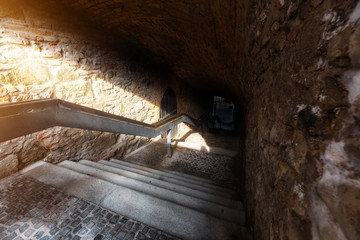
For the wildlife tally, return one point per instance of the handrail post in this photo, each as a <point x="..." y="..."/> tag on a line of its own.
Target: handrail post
<point x="169" y="143"/>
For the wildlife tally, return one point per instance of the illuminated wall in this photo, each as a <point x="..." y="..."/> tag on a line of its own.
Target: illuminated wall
<point x="42" y="58"/>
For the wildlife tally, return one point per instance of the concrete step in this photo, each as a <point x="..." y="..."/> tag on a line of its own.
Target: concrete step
<point x="164" y="215"/>
<point x="213" y="209"/>
<point x="166" y="185"/>
<point x="203" y="184"/>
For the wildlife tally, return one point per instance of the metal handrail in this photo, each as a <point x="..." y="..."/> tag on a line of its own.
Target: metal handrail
<point x="20" y="119"/>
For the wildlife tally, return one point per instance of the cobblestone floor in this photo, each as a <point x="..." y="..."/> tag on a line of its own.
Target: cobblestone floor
<point x="32" y="210"/>
<point x="230" y="142"/>
<point x="217" y="168"/>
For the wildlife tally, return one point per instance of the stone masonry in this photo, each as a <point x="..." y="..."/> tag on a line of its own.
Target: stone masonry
<point x="41" y="58"/>
<point x="302" y="145"/>
<point x="292" y="67"/>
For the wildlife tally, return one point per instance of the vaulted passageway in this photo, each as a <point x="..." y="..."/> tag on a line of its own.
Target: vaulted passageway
<point x="290" y="67"/>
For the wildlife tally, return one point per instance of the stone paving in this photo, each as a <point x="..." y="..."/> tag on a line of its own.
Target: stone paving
<point x="217" y="168"/>
<point x="32" y="210"/>
<point x="230" y="142"/>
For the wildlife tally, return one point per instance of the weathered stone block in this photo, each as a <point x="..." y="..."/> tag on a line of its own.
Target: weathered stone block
<point x="31" y="152"/>
<point x="11" y="147"/>
<point x="72" y="91"/>
<point x="31" y="74"/>
<point x="66" y="75"/>
<point x="8" y="165"/>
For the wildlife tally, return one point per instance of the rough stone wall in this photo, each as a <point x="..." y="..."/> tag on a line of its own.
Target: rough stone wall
<point x="198" y="39"/>
<point x="302" y="63"/>
<point x="43" y="58"/>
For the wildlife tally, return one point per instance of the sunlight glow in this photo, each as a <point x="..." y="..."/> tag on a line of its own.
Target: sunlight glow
<point x="56" y="65"/>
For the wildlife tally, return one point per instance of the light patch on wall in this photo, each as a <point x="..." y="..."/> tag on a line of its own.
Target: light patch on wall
<point x="355" y="15"/>
<point x="327" y="16"/>
<point x="26" y="74"/>
<point x="321" y="64"/>
<point x="335" y="153"/>
<point x="324" y="226"/>
<point x="298" y="189"/>
<point x="322" y="97"/>
<point x="66" y="74"/>
<point x="316" y="111"/>
<point x="334" y="24"/>
<point x="322" y="220"/>
<point x="281" y="2"/>
<point x="352" y="84"/>
<point x="300" y="107"/>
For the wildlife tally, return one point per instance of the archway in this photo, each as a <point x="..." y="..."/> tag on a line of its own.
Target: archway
<point x="168" y="107"/>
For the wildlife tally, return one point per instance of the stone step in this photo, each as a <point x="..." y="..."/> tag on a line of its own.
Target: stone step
<point x="171" y="180"/>
<point x="204" y="185"/>
<point x="166" y="185"/>
<point x="167" y="172"/>
<point x="213" y="209"/>
<point x="163" y="215"/>
<point x="201" y="147"/>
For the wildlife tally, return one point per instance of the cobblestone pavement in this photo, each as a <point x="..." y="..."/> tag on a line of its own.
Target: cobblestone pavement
<point x="217" y="168"/>
<point x="230" y="142"/>
<point x="32" y="210"/>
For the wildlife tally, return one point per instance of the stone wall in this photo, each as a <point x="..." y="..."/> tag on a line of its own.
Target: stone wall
<point x="302" y="140"/>
<point x="43" y="56"/>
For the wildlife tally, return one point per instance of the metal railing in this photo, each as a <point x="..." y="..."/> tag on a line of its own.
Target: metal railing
<point x="20" y="119"/>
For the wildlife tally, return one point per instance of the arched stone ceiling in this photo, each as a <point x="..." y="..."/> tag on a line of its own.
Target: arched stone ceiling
<point x="198" y="39"/>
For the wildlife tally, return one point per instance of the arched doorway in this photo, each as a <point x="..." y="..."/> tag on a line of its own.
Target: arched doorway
<point x="168" y="107"/>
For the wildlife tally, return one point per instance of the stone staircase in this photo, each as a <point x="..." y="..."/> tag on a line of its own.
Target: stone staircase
<point x="183" y="205"/>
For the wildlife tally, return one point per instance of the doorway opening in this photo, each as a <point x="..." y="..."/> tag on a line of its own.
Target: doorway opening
<point x="222" y="115"/>
<point x="168" y="107"/>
